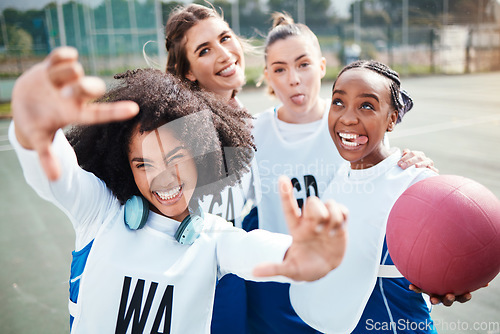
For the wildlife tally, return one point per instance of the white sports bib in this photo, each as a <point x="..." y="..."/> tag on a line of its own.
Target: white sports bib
<point x="310" y="163"/>
<point x="335" y="303"/>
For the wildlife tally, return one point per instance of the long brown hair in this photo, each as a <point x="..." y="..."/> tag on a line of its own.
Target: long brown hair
<point x="181" y="19"/>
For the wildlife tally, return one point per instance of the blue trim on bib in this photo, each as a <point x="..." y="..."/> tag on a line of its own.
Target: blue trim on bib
<point x="394" y="308"/>
<point x="251" y="220"/>
<point x="77" y="266"/>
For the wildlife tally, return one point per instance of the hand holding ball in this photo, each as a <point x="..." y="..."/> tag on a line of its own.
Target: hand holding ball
<point x="443" y="234"/>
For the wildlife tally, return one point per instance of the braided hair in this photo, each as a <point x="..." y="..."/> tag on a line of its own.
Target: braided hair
<point x="401" y="100"/>
<point x="162" y="97"/>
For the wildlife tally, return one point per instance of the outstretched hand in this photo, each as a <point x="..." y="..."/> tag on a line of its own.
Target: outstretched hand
<point x="53" y="94"/>
<point x="319" y="238"/>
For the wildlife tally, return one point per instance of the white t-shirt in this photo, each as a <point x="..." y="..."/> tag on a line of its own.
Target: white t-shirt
<point x="292" y="132"/>
<point x="143" y="280"/>
<point x="335" y="303"/>
<point x="309" y="159"/>
<point x="233" y="203"/>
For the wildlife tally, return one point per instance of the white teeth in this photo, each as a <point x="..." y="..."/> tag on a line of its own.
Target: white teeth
<point x="349" y="143"/>
<point x="166" y="195"/>
<point x="348" y="135"/>
<point x="228" y="69"/>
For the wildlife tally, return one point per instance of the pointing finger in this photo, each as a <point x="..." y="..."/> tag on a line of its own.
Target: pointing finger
<point x="288" y="202"/>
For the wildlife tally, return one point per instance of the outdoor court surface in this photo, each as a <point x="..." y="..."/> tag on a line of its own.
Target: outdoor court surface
<point x="455" y="121"/>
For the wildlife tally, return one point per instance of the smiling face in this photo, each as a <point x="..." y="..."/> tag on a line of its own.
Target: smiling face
<point x="294" y="69"/>
<point x="360" y="114"/>
<point x="215" y="57"/>
<point x="164" y="171"/>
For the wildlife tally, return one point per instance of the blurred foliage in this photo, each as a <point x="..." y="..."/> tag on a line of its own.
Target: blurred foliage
<point x="5" y="110"/>
<point x="108" y="42"/>
<point x="20" y="41"/>
<point x="254" y="16"/>
<point x="430" y="12"/>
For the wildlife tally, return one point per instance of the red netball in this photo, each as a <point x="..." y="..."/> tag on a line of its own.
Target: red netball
<point x="443" y="235"/>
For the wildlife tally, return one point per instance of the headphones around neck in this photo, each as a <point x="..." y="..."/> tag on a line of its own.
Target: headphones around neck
<point x="137" y="212"/>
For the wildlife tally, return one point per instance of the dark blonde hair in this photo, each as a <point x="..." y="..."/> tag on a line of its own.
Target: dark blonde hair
<point x="284" y="27"/>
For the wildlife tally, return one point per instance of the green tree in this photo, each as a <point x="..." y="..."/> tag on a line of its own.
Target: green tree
<point x="31" y="22"/>
<point x="20" y="41"/>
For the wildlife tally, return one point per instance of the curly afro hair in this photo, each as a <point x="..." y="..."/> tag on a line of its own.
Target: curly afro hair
<point x="103" y="149"/>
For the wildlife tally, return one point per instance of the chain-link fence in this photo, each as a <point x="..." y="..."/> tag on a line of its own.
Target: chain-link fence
<point x="115" y="35"/>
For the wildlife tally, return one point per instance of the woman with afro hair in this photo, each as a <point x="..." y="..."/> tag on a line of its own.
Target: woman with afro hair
<point x="146" y="257"/>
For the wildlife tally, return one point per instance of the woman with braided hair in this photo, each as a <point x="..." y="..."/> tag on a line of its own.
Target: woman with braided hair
<point x="367" y="293"/>
<point x="302" y="150"/>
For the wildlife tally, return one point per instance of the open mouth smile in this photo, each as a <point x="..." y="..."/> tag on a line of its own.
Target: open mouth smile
<point x="352" y="140"/>
<point x="169" y="196"/>
<point x="228" y="71"/>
